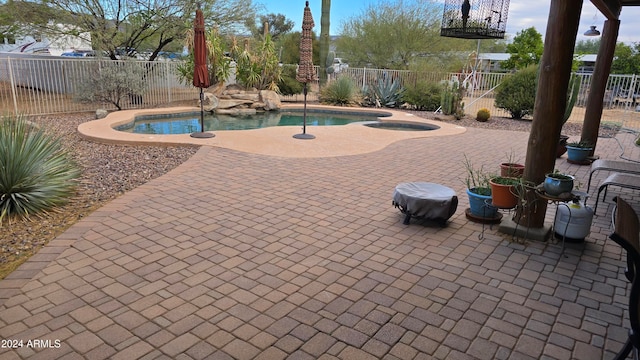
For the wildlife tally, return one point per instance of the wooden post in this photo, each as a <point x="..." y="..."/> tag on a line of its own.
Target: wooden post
<point x="551" y="98"/>
<point x="593" y="111"/>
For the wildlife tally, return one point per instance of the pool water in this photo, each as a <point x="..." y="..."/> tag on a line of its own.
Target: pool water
<point x="189" y="123"/>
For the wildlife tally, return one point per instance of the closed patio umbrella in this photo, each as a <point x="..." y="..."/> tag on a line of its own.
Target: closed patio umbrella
<point x="306" y="71"/>
<point x="200" y="72"/>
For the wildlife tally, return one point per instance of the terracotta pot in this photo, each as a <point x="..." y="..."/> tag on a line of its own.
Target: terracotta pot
<point x="562" y="145"/>
<point x="511" y="170"/>
<point x="503" y="196"/>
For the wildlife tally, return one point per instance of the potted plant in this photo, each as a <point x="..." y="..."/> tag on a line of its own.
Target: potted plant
<point x="556" y="183"/>
<point x="479" y="192"/>
<point x="503" y="193"/>
<point x="562" y="145"/>
<point x="511" y="168"/>
<point x="578" y="151"/>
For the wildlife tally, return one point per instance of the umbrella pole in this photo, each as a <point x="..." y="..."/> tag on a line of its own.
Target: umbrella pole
<point x="202" y="134"/>
<point x="201" y="110"/>
<point x="304" y="134"/>
<point x="304" y="112"/>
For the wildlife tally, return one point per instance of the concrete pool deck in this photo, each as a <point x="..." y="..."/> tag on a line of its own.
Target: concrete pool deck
<point x="337" y="140"/>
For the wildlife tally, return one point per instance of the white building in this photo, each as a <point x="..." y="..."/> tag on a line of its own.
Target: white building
<point x="37" y="44"/>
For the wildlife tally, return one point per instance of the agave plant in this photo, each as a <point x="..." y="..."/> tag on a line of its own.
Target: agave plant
<point x="386" y="93"/>
<point x="36" y="173"/>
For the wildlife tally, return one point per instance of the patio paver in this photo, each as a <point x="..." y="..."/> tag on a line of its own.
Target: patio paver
<point x="241" y="255"/>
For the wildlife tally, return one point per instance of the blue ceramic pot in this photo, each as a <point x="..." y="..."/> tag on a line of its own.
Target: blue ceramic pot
<point x="480" y="205"/>
<point x="578" y="154"/>
<point x="556" y="186"/>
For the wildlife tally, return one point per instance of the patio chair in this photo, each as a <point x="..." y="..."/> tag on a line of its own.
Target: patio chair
<point x="617" y="179"/>
<point x="613" y="165"/>
<point x="626" y="234"/>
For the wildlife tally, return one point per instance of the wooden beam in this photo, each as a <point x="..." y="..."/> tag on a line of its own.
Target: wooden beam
<point x="593" y="111"/>
<point x="609" y="8"/>
<point x="551" y="101"/>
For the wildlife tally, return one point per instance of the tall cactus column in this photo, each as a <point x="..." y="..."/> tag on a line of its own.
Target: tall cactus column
<point x="324" y="40"/>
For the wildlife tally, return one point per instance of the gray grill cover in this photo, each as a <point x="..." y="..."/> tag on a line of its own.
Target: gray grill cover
<point x="428" y="200"/>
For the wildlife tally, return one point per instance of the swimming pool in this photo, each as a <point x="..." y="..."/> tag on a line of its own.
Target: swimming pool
<point x="185" y="123"/>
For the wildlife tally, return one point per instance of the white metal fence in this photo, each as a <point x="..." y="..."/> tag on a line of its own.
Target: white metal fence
<point x="36" y="85"/>
<point x="621" y="101"/>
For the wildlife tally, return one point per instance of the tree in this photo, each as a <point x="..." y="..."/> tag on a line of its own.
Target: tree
<point x="395" y="34"/>
<point x="517" y="92"/>
<point x="288" y="46"/>
<point x="587" y="46"/>
<point x="112" y="82"/>
<point x="526" y="49"/>
<point x="626" y="59"/>
<point x="278" y="25"/>
<point x="121" y="27"/>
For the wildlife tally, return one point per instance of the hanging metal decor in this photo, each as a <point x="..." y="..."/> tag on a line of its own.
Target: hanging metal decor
<point x="475" y="19"/>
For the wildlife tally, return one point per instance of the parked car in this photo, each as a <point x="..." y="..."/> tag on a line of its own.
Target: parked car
<point x="339" y="65"/>
<point x="79" y="53"/>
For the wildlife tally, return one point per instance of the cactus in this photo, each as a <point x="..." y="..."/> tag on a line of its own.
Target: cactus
<point x="451" y="100"/>
<point x="572" y="96"/>
<point x="483" y="115"/>
<point x="329" y="63"/>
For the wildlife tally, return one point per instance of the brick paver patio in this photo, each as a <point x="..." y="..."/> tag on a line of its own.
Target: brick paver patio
<point x="239" y="256"/>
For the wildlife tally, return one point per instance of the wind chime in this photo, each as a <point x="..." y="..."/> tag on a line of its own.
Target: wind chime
<point x="478" y="19"/>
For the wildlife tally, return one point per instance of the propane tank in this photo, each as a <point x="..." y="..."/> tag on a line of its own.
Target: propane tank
<point x="573" y="221"/>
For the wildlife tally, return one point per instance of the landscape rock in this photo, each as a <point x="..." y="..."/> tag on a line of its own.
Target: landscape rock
<point x="101" y="113"/>
<point x="247" y="96"/>
<point x="211" y="102"/>
<point x="270" y="99"/>
<point x="236" y="111"/>
<point x="227" y="104"/>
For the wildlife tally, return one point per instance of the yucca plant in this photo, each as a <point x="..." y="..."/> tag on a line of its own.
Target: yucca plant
<point x="342" y="91"/>
<point x="384" y="93"/>
<point x="36" y="172"/>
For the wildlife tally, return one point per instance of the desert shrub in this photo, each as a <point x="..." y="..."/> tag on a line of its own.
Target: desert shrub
<point x="483" y="115"/>
<point x="36" y="174"/>
<point x="343" y="91"/>
<point x="517" y="92"/>
<point x="288" y="84"/>
<point x="259" y="69"/>
<point x="112" y="81"/>
<point x="384" y="93"/>
<point x="423" y="95"/>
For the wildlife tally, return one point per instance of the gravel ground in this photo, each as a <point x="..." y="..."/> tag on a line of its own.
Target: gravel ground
<point x="107" y="172"/>
<point x="500" y="123"/>
<point x="110" y="170"/>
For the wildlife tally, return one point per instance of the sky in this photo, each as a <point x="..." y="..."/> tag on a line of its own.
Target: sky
<point x="522" y="15"/>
